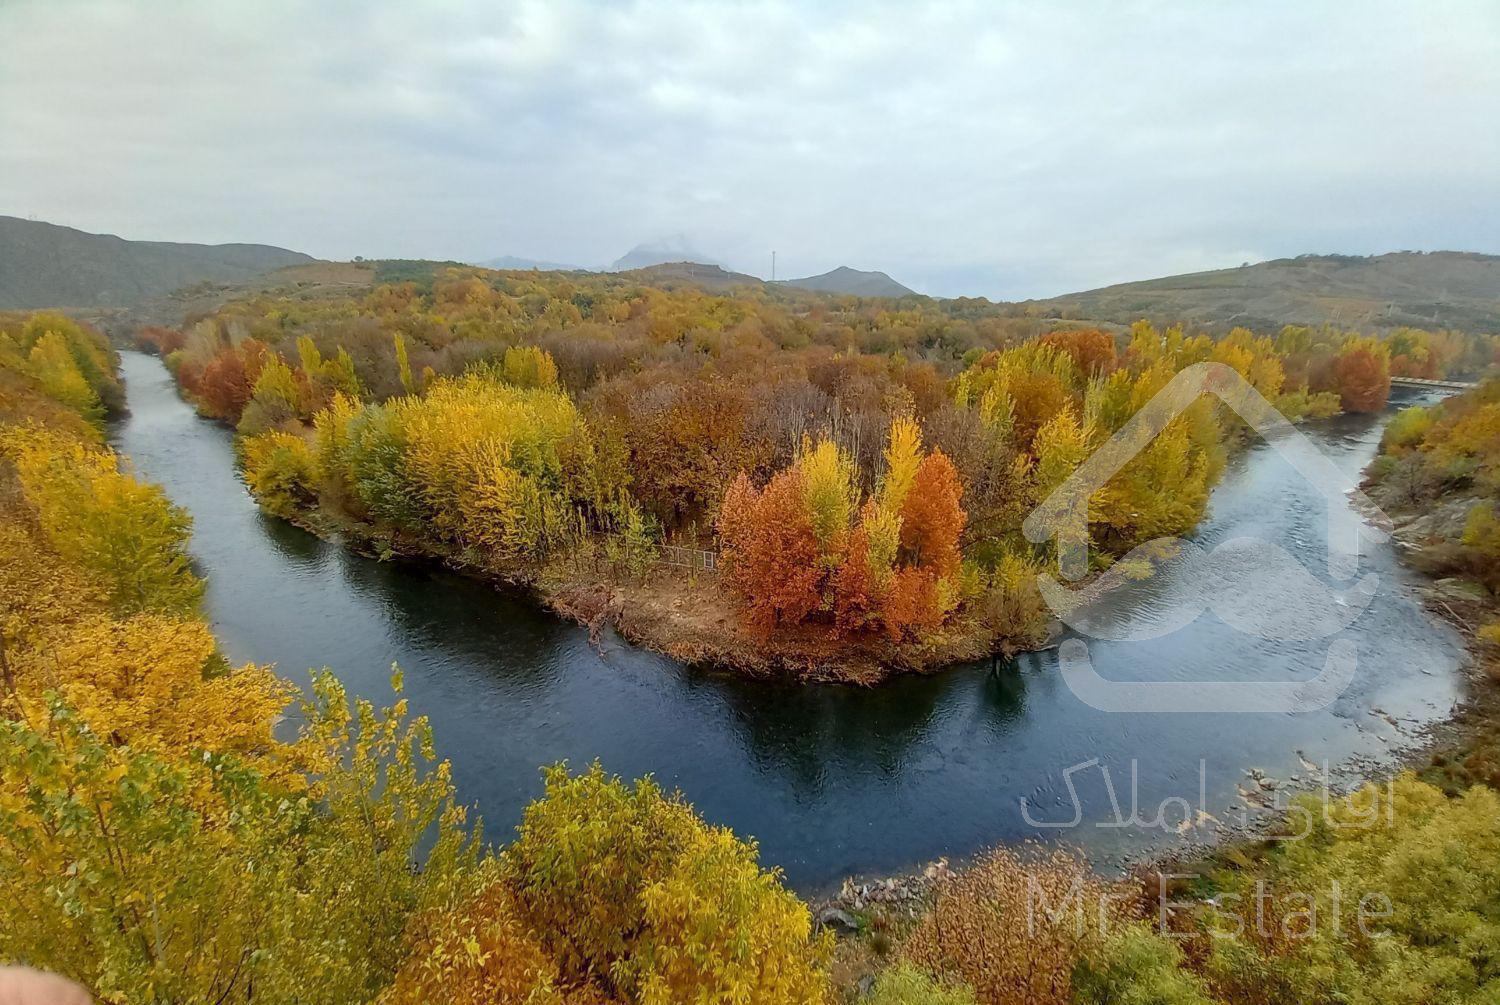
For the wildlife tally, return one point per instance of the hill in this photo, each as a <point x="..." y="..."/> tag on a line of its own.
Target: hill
<point x="1439" y="289"/>
<point x="674" y="275"/>
<point x="45" y="265"/>
<point x="664" y="251"/>
<point x="852" y="282"/>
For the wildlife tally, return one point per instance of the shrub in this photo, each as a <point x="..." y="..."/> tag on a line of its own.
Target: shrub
<point x="1135" y="965"/>
<point x="108" y="523"/>
<point x="208" y="879"/>
<point x="281" y="471"/>
<point x="626" y="887"/>
<point x="1406" y="429"/>
<point x="1389" y="900"/>
<point x="904" y="984"/>
<point x="474" y="953"/>
<point x="1014" y="925"/>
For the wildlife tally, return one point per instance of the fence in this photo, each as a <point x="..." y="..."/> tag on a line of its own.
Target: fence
<point x="696" y="559"/>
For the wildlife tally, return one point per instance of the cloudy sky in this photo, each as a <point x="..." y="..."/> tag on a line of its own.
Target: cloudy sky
<point x="1005" y="150"/>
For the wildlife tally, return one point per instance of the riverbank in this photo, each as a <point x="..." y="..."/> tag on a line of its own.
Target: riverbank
<point x="689" y="618"/>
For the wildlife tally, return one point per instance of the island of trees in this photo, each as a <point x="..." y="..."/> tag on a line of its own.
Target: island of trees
<point x="837" y="484"/>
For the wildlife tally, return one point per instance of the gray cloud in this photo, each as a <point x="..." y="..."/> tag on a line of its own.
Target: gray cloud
<point x="966" y="148"/>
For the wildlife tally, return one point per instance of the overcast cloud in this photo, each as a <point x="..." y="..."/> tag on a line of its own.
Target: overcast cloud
<point x="966" y="148"/>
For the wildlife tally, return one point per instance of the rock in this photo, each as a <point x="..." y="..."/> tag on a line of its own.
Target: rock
<point x="1458" y="590"/>
<point x="866" y="985"/>
<point x="1446" y="523"/>
<point x="838" y="919"/>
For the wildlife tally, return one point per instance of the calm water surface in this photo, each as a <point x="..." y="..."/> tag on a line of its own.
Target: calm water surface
<point x="829" y="780"/>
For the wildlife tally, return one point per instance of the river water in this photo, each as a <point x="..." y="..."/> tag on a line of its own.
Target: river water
<point x="830" y="780"/>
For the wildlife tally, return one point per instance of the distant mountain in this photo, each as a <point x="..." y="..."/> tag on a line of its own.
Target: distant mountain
<point x="852" y="282"/>
<point x="1436" y="289"/>
<point x="672" y="275"/>
<point x="44" y="265"/>
<point x="512" y="262"/>
<point x="662" y="251"/>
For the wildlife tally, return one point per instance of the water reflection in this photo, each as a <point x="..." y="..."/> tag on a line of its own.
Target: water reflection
<point x="830" y="780"/>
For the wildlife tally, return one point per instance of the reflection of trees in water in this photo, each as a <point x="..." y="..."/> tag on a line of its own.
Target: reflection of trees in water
<point x="821" y="736"/>
<point x="291" y="543"/>
<point x="467" y="626"/>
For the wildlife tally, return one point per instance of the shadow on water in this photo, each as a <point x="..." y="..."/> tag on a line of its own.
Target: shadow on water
<point x="829" y="780"/>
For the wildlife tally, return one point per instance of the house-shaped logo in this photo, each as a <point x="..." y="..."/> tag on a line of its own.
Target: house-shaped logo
<point x="1216" y="579"/>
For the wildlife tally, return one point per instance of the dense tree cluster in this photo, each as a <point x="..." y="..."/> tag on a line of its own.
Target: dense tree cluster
<point x="528" y="421"/>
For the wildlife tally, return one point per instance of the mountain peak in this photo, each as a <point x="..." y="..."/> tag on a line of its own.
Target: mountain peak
<point x="853" y="282"/>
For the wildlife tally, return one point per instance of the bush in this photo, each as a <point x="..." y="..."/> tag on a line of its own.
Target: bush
<point x="628" y="888"/>
<point x="906" y="985"/>
<point x="281" y="471"/>
<point x="1014" y="925"/>
<point x="1406" y="429"/>
<point x="1136" y="966"/>
<point x="1389" y="900"/>
<point x="117" y="528"/>
<point x="210" y="878"/>
<point x="474" y="953"/>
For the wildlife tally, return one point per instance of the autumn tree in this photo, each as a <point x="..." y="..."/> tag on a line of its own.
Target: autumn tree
<point x="629" y="889"/>
<point x="104" y="520"/>
<point x="772" y="553"/>
<point x="1092" y="350"/>
<point x="1362" y="373"/>
<point x="117" y="859"/>
<point x="932" y="517"/>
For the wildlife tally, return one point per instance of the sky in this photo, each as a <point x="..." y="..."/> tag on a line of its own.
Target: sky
<point x="1007" y="150"/>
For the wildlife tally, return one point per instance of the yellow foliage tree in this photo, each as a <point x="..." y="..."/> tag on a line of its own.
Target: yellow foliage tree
<point x="108" y="523"/>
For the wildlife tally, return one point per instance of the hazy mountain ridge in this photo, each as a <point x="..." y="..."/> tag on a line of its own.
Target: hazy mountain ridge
<point x="46" y="265"/>
<point x="1437" y="289"/>
<point x="663" y="251"/>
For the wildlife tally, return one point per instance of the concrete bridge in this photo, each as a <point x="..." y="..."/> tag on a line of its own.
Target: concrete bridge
<point x="1456" y="385"/>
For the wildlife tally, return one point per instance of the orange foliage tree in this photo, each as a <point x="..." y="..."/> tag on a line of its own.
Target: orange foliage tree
<point x="772" y="551"/>
<point x="1362" y="373"/>
<point x="932" y="517"/>
<point x="797" y="548"/>
<point x="1091" y="349"/>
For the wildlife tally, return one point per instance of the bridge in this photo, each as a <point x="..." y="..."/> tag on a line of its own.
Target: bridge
<point x="1457" y="385"/>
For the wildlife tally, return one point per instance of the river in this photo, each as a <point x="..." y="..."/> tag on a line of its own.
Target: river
<point x="830" y="780"/>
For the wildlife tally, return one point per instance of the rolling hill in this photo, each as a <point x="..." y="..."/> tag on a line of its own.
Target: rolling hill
<point x="852" y="282"/>
<point x="1436" y="289"/>
<point x="45" y="265"/>
<point x="673" y="275"/>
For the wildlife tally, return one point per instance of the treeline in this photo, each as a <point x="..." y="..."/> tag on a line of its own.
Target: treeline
<point x="559" y="427"/>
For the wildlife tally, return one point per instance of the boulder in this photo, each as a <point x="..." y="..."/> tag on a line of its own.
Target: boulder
<point x="837" y="919"/>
